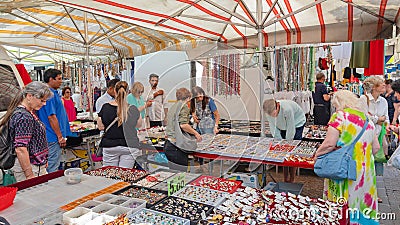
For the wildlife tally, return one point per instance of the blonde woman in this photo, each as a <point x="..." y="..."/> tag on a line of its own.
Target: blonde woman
<point x="344" y="126"/>
<point x="120" y="142"/>
<point x="135" y="98"/>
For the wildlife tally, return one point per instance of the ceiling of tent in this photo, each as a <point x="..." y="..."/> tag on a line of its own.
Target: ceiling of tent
<point x="44" y="25"/>
<point x="236" y="22"/>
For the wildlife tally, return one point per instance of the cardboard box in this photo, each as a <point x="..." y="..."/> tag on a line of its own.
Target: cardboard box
<point x="253" y="180"/>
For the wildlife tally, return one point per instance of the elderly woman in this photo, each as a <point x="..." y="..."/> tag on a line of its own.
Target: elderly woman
<point x="377" y="109"/>
<point x="135" y="98"/>
<point x="28" y="132"/>
<point x="178" y="159"/>
<point x="345" y="124"/>
<point x="120" y="142"/>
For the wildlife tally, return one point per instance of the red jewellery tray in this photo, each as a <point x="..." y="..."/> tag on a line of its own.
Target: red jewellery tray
<point x="215" y="183"/>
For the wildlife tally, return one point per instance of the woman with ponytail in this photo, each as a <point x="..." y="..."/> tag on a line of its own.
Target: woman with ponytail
<point x="27" y="131"/>
<point x="120" y="142"/>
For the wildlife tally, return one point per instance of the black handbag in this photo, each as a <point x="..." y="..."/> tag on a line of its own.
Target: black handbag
<point x="185" y="141"/>
<point x="99" y="152"/>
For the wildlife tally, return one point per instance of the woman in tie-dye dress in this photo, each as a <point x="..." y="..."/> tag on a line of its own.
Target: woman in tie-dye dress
<point x="344" y="126"/>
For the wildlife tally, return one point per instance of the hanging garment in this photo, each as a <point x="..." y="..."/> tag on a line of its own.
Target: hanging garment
<point x="359" y="54"/>
<point x="347" y="73"/>
<point x="376" y="58"/>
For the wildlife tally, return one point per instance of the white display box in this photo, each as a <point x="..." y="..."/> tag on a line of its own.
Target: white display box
<point x="118" y="200"/>
<point x="253" y="180"/>
<point x="103" y="208"/>
<point x="105" y="197"/>
<point x="141" y="204"/>
<point x="78" y="216"/>
<point x="101" y="219"/>
<point x="90" y="204"/>
<point x="118" y="210"/>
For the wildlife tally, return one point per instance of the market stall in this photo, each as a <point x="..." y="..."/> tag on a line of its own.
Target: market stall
<point x="114" y="195"/>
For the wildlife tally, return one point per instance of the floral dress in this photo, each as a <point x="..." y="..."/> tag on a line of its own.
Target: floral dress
<point x="360" y="194"/>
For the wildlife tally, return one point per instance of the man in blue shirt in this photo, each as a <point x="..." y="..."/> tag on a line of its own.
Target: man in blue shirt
<point x="286" y="121"/>
<point x="55" y="118"/>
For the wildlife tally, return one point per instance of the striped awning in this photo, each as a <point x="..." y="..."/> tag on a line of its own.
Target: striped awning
<point x="236" y="22"/>
<point x="43" y="25"/>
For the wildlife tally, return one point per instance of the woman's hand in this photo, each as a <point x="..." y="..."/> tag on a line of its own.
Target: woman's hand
<point x="148" y="103"/>
<point x="195" y="118"/>
<point x="216" y="130"/>
<point x="198" y="137"/>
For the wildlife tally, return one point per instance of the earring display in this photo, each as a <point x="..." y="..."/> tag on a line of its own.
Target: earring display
<point x="149" y="195"/>
<point x="154" y="178"/>
<point x="216" y="183"/>
<point x="306" y="148"/>
<point x="253" y="206"/>
<point x="118" y="173"/>
<point x="316" y="132"/>
<point x="147" y="216"/>
<point x="163" y="186"/>
<point x="183" y="208"/>
<point x="201" y="195"/>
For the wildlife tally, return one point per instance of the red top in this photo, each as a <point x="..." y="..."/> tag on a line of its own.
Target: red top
<point x="70" y="108"/>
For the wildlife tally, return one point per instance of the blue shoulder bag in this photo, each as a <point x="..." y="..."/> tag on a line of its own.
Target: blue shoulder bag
<point x="339" y="164"/>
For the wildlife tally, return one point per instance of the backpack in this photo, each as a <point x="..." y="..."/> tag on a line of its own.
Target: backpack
<point x="7" y="150"/>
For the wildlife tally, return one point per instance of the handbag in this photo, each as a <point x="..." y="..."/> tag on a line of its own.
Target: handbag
<point x="99" y="152"/>
<point x="8" y="177"/>
<point x="185" y="141"/>
<point x="339" y="164"/>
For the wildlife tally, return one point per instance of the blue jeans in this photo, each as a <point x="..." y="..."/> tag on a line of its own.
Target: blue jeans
<point x="54" y="156"/>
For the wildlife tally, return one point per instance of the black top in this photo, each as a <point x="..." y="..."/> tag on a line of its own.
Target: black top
<point x="318" y="94"/>
<point x="390" y="100"/>
<point x="124" y="135"/>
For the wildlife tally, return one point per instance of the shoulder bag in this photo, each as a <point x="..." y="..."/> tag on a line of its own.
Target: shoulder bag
<point x="339" y="164"/>
<point x="185" y="141"/>
<point x="99" y="152"/>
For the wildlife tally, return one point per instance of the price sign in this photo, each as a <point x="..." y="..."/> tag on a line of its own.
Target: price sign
<point x="176" y="183"/>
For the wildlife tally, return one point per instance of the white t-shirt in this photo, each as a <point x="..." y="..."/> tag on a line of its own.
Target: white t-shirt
<point x="156" y="110"/>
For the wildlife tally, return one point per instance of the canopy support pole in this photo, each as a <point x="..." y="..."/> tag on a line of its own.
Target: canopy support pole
<point x="260" y="63"/>
<point x="89" y="76"/>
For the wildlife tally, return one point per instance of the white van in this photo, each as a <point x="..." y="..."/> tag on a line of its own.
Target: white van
<point x="10" y="80"/>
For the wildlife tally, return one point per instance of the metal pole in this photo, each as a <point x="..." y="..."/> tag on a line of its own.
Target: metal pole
<point x="260" y="63"/>
<point x="88" y="74"/>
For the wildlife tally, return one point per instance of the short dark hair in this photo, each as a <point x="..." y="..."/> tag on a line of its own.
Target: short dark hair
<point x="319" y="76"/>
<point x="154" y="75"/>
<point x="388" y="81"/>
<point x="65" y="89"/>
<point x="51" y="73"/>
<point x="396" y="86"/>
<point x="112" y="83"/>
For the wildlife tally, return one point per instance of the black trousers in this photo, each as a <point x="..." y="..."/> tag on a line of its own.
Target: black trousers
<point x="156" y="124"/>
<point x="321" y="114"/>
<point x="177" y="159"/>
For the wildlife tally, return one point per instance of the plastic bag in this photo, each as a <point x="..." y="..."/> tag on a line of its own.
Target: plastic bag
<point x="161" y="158"/>
<point x="395" y="159"/>
<point x="8" y="178"/>
<point x="380" y="155"/>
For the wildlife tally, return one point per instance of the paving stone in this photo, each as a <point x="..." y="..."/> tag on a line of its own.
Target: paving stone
<point x="382" y="192"/>
<point x="385" y="199"/>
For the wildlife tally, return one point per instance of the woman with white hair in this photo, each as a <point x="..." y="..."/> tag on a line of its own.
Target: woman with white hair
<point x="344" y="126"/>
<point x="27" y="131"/>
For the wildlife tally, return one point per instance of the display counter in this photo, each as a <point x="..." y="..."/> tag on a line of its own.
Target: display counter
<point x="164" y="197"/>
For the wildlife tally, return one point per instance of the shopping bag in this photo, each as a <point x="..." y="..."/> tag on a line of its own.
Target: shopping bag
<point x="395" y="159"/>
<point x="8" y="177"/>
<point x="380" y="155"/>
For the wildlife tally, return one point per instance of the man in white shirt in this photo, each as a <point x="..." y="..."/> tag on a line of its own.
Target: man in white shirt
<point x="108" y="96"/>
<point x="156" y="112"/>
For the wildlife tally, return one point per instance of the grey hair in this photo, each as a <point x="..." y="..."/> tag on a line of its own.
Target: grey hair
<point x="372" y="82"/>
<point x="37" y="89"/>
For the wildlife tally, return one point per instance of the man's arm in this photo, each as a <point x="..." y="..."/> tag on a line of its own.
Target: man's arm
<point x="56" y="128"/>
<point x="396" y="113"/>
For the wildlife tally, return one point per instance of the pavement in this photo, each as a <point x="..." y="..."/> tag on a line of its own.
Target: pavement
<point x="388" y="187"/>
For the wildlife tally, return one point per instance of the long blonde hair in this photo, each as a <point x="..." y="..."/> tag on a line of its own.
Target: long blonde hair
<point x="122" y="104"/>
<point x="346" y="99"/>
